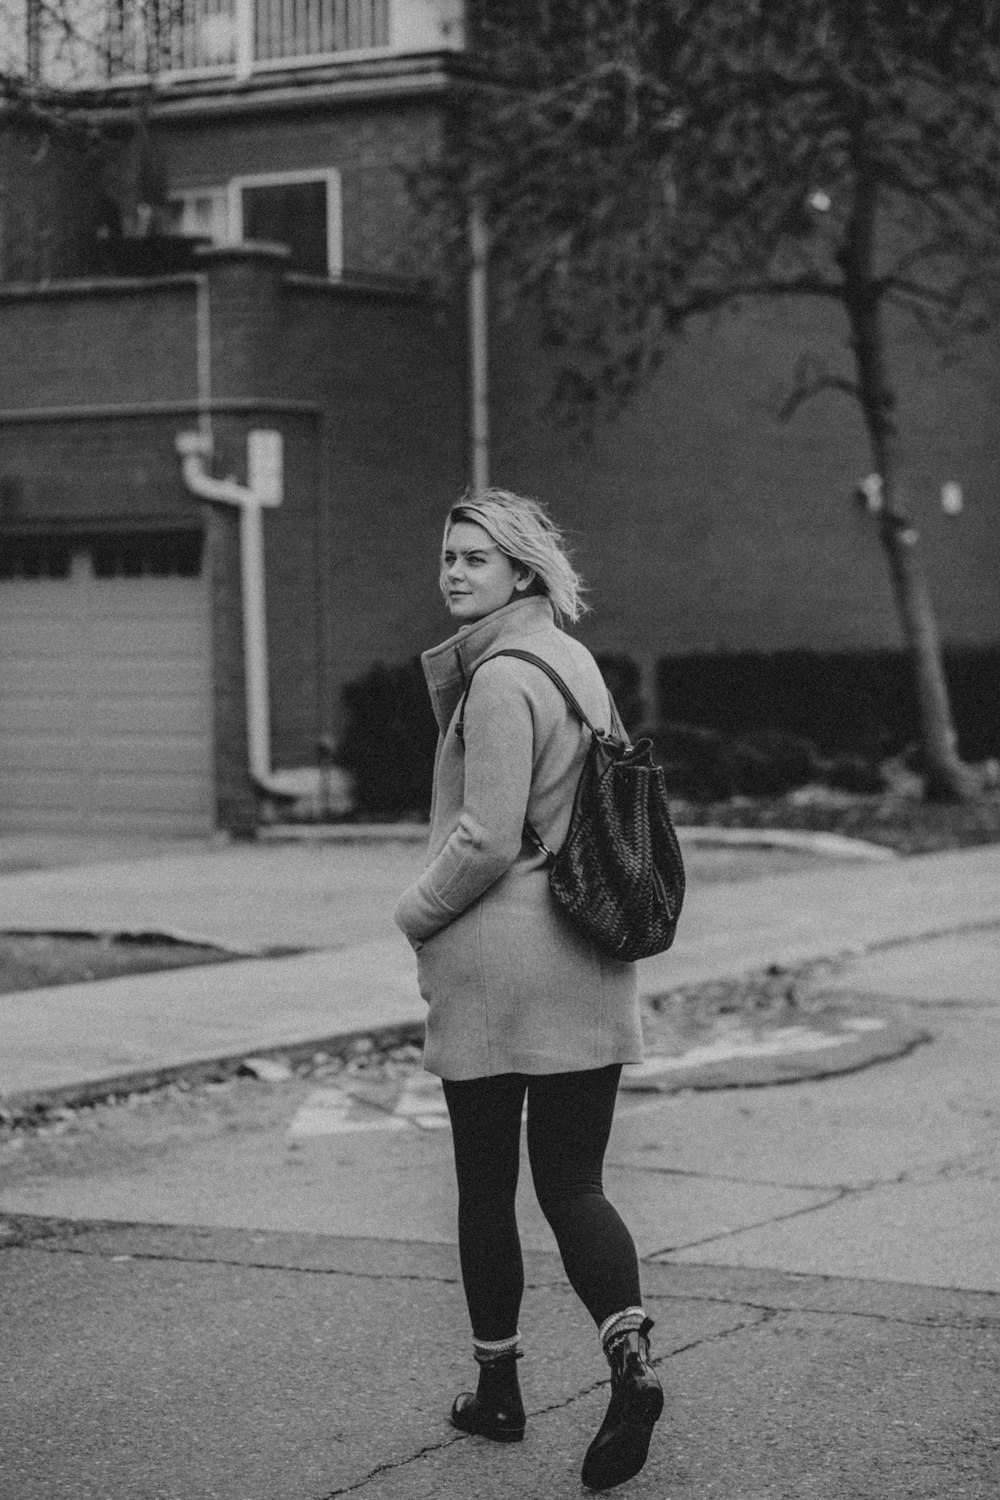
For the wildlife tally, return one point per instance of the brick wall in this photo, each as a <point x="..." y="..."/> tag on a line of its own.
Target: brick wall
<point x="58" y="187"/>
<point x="373" y="146"/>
<point x="388" y="372"/>
<point x="366" y="390"/>
<point x="101" y="470"/>
<point x="104" y="342"/>
<point x="235" y="801"/>
<point x="352" y="552"/>
<point x="705" y="524"/>
<point x="50" y="185"/>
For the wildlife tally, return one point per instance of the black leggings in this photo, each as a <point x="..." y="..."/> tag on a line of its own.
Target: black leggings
<point x="569" y="1122"/>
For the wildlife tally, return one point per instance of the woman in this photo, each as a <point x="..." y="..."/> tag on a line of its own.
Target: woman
<point x="519" y="1004"/>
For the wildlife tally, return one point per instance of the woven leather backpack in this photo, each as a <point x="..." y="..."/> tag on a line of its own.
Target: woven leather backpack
<point x="619" y="876"/>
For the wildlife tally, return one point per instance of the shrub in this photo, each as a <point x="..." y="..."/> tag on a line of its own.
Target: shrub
<point x="787" y="761"/>
<point x="703" y="765"/>
<point x="624" y="680"/>
<point x="852" y="773"/>
<point x="848" y="703"/>
<point x="753" y="725"/>
<point x="390" y="733"/>
<point x="389" y="740"/>
<point x="694" y="762"/>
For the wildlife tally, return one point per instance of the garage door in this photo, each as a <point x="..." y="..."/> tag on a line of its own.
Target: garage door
<point x="105" y="716"/>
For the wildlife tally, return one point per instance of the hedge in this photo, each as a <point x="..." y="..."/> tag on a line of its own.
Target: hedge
<point x="388" y="741"/>
<point x="847" y="703"/>
<point x="729" y="724"/>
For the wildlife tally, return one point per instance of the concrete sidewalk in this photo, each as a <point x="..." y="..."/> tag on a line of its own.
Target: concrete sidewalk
<point x="338" y="900"/>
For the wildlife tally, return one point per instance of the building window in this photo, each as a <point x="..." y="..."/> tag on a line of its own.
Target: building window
<point x="202" y="214"/>
<point x="297" y="209"/>
<point x="147" y="554"/>
<point x="137" y="554"/>
<point x="34" y="557"/>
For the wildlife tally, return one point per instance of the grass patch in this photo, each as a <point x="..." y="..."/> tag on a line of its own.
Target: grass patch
<point x="37" y="960"/>
<point x="901" y="823"/>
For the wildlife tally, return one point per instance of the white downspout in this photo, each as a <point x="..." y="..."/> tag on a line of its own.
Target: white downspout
<point x="203" y="355"/>
<point x="244" y="58"/>
<point x="479" y="406"/>
<point x="265" y="486"/>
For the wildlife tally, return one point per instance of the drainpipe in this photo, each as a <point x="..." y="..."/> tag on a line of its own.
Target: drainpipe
<point x="478" y="302"/>
<point x="243" y="17"/>
<point x="264" y="487"/>
<point x="203" y="356"/>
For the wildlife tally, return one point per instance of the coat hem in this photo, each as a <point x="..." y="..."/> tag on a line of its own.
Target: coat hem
<point x="531" y="1068"/>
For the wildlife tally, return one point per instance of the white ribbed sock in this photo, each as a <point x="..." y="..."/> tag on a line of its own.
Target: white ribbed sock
<point x="485" y="1351"/>
<point x="626" y="1321"/>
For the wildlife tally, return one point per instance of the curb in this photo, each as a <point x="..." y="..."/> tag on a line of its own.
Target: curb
<point x="36" y="1103"/>
<point x="165" y="935"/>
<point x="846" y="1051"/>
<point x="836" y="845"/>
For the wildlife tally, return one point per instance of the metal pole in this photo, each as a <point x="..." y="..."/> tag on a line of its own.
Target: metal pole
<point x="479" y="410"/>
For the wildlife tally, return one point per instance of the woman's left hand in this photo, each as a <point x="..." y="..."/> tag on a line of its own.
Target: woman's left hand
<point x="404" y="916"/>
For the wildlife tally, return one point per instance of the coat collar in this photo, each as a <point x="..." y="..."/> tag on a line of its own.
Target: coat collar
<point x="449" y="666"/>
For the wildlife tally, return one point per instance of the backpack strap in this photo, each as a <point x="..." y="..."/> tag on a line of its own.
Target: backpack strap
<point x="550" y="672"/>
<point x="529" y="832"/>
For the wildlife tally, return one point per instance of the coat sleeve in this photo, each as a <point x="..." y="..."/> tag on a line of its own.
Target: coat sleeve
<point x="499" y="754"/>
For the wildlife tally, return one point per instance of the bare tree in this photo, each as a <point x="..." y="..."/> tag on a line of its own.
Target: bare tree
<point x="640" y="162"/>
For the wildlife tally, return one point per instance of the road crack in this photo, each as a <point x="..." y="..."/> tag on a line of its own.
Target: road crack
<point x="429" y="1450"/>
<point x="792" y="1187"/>
<point x="837" y="1193"/>
<point x="770" y="1308"/>
<point x="836" y="1196"/>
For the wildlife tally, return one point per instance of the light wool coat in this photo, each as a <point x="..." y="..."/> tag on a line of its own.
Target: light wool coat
<point x="510" y="986"/>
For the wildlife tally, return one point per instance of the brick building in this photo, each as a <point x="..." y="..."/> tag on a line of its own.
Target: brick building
<point x="127" y="691"/>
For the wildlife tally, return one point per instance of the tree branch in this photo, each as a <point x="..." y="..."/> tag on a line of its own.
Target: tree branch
<point x="707" y="299"/>
<point x="806" y="390"/>
<point x="917" y="291"/>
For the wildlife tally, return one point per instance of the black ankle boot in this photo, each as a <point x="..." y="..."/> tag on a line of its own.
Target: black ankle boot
<point x="622" y="1442"/>
<point x="496" y="1410"/>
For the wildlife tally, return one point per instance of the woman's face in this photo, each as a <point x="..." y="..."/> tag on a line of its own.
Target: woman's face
<point x="476" y="577"/>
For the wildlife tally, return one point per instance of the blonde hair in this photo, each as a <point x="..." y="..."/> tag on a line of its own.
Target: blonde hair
<point x="524" y="532"/>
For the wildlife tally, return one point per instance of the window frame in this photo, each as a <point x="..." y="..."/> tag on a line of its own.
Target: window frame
<point x="334" y="213"/>
<point x="220" y="194"/>
<point x="230" y="194"/>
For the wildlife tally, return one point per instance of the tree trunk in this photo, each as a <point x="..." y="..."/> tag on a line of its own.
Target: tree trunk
<point x="948" y="778"/>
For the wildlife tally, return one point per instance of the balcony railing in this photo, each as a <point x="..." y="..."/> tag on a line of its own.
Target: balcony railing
<point x="90" y="43"/>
